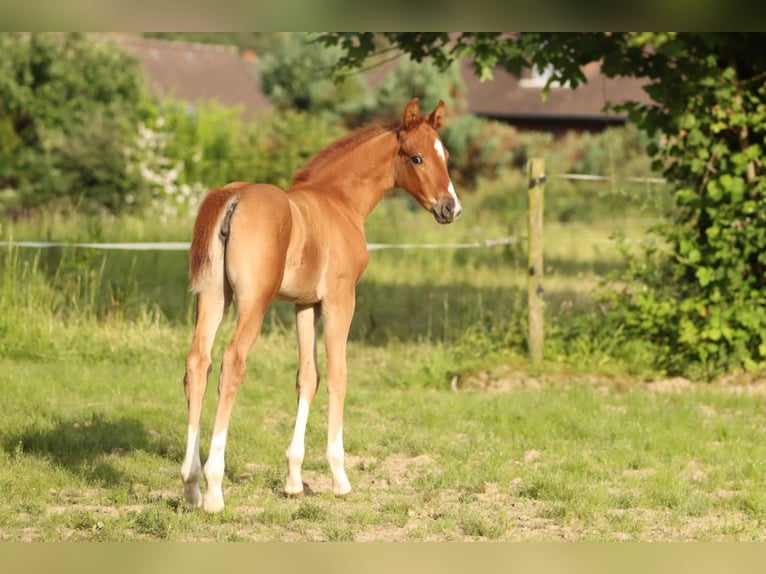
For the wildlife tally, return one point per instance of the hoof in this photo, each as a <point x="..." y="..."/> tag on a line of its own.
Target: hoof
<point x="190" y="506"/>
<point x="303" y="490"/>
<point x="193" y="500"/>
<point x="213" y="503"/>
<point x="342" y="491"/>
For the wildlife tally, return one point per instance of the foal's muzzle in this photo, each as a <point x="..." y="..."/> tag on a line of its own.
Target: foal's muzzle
<point x="446" y="210"/>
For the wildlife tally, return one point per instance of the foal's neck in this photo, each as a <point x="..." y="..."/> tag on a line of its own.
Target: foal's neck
<point x="358" y="178"/>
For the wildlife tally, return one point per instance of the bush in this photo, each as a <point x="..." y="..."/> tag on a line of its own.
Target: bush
<point x="704" y="302"/>
<point x="90" y="166"/>
<point x="179" y="155"/>
<point x="62" y="98"/>
<point x="479" y="149"/>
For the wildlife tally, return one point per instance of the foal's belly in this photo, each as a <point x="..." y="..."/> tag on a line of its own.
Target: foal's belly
<point x="300" y="286"/>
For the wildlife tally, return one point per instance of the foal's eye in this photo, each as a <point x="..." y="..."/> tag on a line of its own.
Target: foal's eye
<point x="416" y="159"/>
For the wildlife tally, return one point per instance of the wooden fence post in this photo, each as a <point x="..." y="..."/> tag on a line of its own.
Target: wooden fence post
<point x="536" y="306"/>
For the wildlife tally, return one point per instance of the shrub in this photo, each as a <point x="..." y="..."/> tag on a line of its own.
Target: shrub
<point x="478" y="148"/>
<point x="56" y="91"/>
<point x="704" y="302"/>
<point x="179" y="155"/>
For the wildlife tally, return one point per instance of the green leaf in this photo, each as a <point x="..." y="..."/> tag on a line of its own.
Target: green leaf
<point x="712" y="333"/>
<point x="714" y="190"/>
<point x="705" y="276"/>
<point x="687" y="121"/>
<point x="694" y="256"/>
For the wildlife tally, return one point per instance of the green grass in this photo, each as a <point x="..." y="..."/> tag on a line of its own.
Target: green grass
<point x="450" y="433"/>
<point x="92" y="451"/>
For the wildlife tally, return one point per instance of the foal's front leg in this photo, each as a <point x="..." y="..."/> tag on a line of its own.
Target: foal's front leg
<point x="337" y="315"/>
<point x="307" y="381"/>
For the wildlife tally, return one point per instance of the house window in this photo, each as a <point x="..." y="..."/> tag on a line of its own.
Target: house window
<point x="537" y="78"/>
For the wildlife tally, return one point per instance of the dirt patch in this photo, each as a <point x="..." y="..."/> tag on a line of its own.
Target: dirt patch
<point x="507" y="378"/>
<point x="674" y="385"/>
<point x="399" y="469"/>
<point x="500" y="379"/>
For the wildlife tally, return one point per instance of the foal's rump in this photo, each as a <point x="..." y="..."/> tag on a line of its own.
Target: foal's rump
<point x="235" y="219"/>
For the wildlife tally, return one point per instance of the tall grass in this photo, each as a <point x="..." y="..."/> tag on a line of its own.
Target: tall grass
<point x="470" y="300"/>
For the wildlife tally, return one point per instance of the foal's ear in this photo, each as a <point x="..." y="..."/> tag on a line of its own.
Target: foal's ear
<point x="436" y="119"/>
<point x="411" y="114"/>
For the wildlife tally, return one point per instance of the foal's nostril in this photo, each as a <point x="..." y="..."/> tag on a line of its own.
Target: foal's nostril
<point x="448" y="210"/>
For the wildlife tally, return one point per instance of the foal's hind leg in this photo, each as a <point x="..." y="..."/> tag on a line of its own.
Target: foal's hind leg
<point x="250" y="319"/>
<point x="307" y="380"/>
<point x="210" y="309"/>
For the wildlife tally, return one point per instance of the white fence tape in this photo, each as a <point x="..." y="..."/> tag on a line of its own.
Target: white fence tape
<point x="586" y="177"/>
<point x="166" y="246"/>
<point x="485" y="243"/>
<point x="184" y="246"/>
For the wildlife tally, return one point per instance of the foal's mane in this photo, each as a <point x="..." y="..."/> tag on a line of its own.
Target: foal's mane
<point x="337" y="148"/>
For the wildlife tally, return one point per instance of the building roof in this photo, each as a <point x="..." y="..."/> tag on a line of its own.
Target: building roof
<point x="194" y="72"/>
<point x="510" y="97"/>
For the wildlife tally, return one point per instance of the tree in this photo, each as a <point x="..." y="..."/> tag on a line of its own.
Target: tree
<point x="294" y="75"/>
<point x="68" y="108"/>
<point x="703" y="302"/>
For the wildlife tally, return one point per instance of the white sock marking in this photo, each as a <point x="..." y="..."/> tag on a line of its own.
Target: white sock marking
<point x="296" y="450"/>
<point x="191" y="464"/>
<point x="297" y="445"/>
<point x="214" y="466"/>
<point x="336" y="456"/>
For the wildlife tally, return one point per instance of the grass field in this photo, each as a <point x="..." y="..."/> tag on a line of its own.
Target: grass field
<point x="450" y="433"/>
<point x="91" y="450"/>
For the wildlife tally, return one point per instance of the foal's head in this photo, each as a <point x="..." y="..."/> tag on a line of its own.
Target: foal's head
<point x="421" y="165"/>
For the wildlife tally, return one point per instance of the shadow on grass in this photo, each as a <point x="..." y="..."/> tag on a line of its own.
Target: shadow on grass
<point x="89" y="448"/>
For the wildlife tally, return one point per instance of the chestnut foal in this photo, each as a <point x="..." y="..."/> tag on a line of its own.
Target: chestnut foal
<point x="306" y="245"/>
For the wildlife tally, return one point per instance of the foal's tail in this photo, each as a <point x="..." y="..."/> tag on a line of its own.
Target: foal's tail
<point x="211" y="230"/>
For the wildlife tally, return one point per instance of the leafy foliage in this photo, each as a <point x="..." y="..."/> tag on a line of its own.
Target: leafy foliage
<point x="708" y="300"/>
<point x="703" y="302"/>
<point x="424" y="80"/>
<point x="67" y="104"/>
<point x="294" y="75"/>
<point x="479" y="148"/>
<point x="179" y="155"/>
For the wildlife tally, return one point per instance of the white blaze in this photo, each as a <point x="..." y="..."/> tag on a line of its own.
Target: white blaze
<point x="451" y="189"/>
<point x="440" y="150"/>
